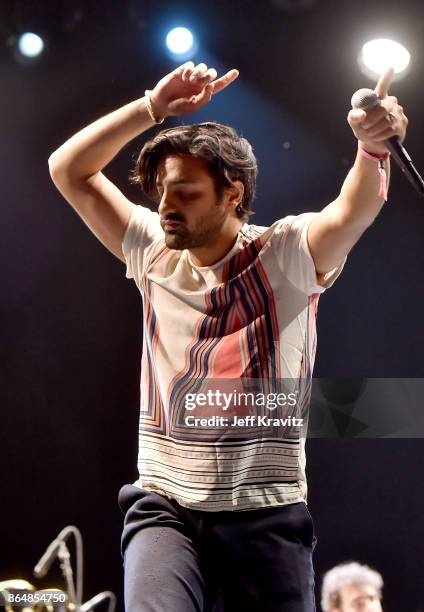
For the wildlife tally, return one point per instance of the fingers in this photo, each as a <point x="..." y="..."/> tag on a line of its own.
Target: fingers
<point x="194" y="87"/>
<point x="374" y="116"/>
<point x="357" y="115"/>
<point x="382" y="87"/>
<point x="381" y="123"/>
<point x="192" y="73"/>
<point x="212" y="88"/>
<point x="367" y="130"/>
<point x="201" y="75"/>
<point x="180" y="69"/>
<point x="385" y="120"/>
<point x="371" y="119"/>
<point x="202" y="98"/>
<point x="198" y="73"/>
<point x="385" y="134"/>
<point x="383" y="127"/>
<point x="225" y="80"/>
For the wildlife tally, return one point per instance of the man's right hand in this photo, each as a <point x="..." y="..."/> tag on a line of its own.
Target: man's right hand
<point x="77" y="166"/>
<point x="187" y="88"/>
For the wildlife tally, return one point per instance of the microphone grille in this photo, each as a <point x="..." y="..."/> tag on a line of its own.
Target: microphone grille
<point x="364" y="98"/>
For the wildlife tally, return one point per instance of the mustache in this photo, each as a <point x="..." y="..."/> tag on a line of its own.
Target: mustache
<point x="172" y="217"/>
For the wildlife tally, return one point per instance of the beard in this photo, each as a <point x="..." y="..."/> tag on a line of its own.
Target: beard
<point x="204" y="232"/>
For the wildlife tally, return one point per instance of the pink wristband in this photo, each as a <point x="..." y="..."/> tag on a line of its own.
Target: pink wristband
<point x="381" y="159"/>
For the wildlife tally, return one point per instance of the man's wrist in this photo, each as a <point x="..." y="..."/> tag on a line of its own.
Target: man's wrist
<point x="372" y="147"/>
<point x="152" y="106"/>
<point x="381" y="158"/>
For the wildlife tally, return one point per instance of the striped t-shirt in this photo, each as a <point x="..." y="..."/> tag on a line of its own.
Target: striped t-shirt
<point x="251" y="316"/>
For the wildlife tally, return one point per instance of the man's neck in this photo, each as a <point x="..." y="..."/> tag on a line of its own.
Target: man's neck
<point x="222" y="244"/>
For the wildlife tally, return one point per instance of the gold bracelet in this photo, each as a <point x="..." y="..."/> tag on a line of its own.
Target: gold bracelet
<point x="147" y="93"/>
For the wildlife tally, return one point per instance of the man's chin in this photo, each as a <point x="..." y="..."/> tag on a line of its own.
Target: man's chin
<point x="175" y="241"/>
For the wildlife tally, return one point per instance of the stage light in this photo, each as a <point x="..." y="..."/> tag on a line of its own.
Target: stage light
<point x="30" y="45"/>
<point x="378" y="55"/>
<point x="181" y="43"/>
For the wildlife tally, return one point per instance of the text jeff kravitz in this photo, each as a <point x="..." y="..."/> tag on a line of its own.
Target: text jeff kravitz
<point x="245" y="421"/>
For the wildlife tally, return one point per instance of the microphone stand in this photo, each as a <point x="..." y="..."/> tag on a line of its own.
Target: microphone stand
<point x="99" y="598"/>
<point x="65" y="565"/>
<point x="75" y="594"/>
<point x="64" y="556"/>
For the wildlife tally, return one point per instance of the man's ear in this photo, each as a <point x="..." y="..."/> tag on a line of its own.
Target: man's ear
<point x="235" y="194"/>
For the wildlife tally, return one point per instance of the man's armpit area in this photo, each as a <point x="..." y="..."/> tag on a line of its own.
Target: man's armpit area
<point x="327" y="278"/>
<point x="323" y="279"/>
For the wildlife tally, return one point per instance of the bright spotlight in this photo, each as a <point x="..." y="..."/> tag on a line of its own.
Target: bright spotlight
<point x="30" y="45"/>
<point x="378" y="55"/>
<point x="181" y="43"/>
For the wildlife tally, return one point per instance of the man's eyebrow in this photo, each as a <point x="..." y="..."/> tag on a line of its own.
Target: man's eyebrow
<point x="177" y="182"/>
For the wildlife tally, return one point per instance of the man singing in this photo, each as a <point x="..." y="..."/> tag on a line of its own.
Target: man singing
<point x="218" y="507"/>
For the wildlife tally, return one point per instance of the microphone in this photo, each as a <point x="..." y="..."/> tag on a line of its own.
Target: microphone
<point x="366" y="99"/>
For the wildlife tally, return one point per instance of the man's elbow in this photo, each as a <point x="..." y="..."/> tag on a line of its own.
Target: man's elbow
<point x="65" y="170"/>
<point x="56" y="168"/>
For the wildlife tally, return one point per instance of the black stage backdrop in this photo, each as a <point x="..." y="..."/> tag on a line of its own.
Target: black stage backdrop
<point x="70" y="321"/>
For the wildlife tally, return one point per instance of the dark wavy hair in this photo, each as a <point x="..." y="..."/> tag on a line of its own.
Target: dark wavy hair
<point x="227" y="155"/>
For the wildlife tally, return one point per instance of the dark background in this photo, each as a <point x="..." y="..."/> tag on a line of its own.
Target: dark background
<point x="70" y="321"/>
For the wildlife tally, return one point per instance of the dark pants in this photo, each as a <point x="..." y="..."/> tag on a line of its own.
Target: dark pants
<point x="181" y="560"/>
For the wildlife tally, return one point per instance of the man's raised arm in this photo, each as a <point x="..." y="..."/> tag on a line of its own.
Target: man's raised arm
<point x="335" y="230"/>
<point x="76" y="167"/>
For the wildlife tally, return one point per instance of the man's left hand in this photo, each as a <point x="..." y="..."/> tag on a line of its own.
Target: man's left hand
<point x="385" y="120"/>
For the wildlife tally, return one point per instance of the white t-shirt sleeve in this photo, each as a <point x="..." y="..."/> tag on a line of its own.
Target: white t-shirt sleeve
<point x="143" y="229"/>
<point x="290" y="244"/>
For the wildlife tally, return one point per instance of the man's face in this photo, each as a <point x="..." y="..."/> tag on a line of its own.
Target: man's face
<point x="360" y="597"/>
<point x="190" y="213"/>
